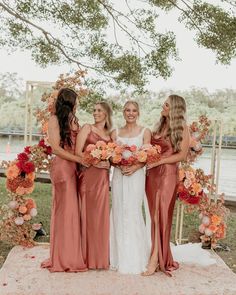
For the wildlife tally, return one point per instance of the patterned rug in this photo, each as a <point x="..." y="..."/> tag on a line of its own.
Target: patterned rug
<point x="21" y="275"/>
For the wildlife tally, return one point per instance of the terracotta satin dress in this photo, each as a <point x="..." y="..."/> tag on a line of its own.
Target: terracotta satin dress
<point x="65" y="229"/>
<point x="94" y="195"/>
<point x="161" y="183"/>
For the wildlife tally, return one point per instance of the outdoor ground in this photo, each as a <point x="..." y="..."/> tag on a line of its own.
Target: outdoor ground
<point x="42" y="196"/>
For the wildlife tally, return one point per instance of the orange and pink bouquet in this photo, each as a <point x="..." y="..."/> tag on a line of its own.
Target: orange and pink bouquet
<point x="153" y="152"/>
<point x="101" y="151"/>
<point x="126" y="155"/>
<point x="213" y="216"/>
<point x="191" y="184"/>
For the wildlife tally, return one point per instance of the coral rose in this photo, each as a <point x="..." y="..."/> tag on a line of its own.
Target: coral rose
<point x="216" y="220"/>
<point x="12" y="172"/>
<point x="100" y="144"/>
<point x="27" y="217"/>
<point x="22" y="209"/>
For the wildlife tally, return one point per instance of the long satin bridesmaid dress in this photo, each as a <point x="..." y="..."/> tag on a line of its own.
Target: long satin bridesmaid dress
<point x="65" y="230"/>
<point x="161" y="183"/>
<point x="94" y="197"/>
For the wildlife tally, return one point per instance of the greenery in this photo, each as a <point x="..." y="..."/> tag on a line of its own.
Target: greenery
<point x="42" y="196"/>
<point x="220" y="104"/>
<point x="124" y="44"/>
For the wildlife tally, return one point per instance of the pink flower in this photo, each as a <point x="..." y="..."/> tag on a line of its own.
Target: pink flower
<point x="19" y="220"/>
<point x="206" y="220"/>
<point x="90" y="147"/>
<point x="33" y="212"/>
<point x="202" y="228"/>
<point x="13" y="205"/>
<point x="36" y="226"/>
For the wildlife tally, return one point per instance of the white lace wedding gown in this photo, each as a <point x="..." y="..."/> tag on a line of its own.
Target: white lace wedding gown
<point x="129" y="236"/>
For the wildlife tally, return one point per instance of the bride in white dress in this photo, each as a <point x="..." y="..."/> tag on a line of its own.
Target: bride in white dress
<point x="129" y="237"/>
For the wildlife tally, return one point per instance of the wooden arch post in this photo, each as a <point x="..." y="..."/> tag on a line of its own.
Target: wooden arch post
<point x="29" y="101"/>
<point x="215" y="172"/>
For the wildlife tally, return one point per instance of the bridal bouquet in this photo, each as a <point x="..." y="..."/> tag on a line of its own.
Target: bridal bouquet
<point x="126" y="155"/>
<point x="101" y="151"/>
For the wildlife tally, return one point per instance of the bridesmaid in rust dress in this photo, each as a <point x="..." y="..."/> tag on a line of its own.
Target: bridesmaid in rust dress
<point x="94" y="191"/>
<point x="65" y="237"/>
<point x="172" y="135"/>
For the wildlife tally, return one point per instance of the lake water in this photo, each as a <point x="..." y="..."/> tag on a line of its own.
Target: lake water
<point x="227" y="177"/>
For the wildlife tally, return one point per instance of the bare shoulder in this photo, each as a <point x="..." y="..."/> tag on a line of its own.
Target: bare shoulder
<point x="86" y="127"/>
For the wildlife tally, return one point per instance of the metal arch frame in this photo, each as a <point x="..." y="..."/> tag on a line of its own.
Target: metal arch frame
<point x="215" y="172"/>
<point x="29" y="99"/>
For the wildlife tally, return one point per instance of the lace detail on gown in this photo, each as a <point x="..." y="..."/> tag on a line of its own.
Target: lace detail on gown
<point x="129" y="242"/>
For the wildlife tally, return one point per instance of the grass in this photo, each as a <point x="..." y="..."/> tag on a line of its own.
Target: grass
<point x="42" y="196"/>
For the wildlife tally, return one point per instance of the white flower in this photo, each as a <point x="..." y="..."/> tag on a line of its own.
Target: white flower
<point x="202" y="228"/>
<point x="19" y="220"/>
<point x="187" y="183"/>
<point x="206" y="220"/>
<point x="96" y="153"/>
<point x="13" y="205"/>
<point x="197" y="147"/>
<point x="200" y="216"/>
<point x="33" y="212"/>
<point x="126" y="154"/>
<point x="208" y="232"/>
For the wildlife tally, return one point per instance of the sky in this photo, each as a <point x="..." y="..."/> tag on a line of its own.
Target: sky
<point x="197" y="67"/>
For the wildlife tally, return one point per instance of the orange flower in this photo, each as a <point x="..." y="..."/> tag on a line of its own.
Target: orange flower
<point x="30" y="204"/>
<point x="181" y="174"/>
<point x="118" y="149"/>
<point x="213" y="228"/>
<point x="27" y="217"/>
<point x="12" y="172"/>
<point x="111" y="145"/>
<point x="116" y="159"/>
<point x="44" y="127"/>
<point x="22" y="209"/>
<point x="196" y="187"/>
<point x="104" y="154"/>
<point x="215" y="219"/>
<point x="142" y="156"/>
<point x="100" y="144"/>
<point x="31" y="176"/>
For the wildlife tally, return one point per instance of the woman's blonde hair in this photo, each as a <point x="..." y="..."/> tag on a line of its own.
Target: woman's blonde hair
<point x="176" y="121"/>
<point x="108" y="110"/>
<point x="133" y="102"/>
